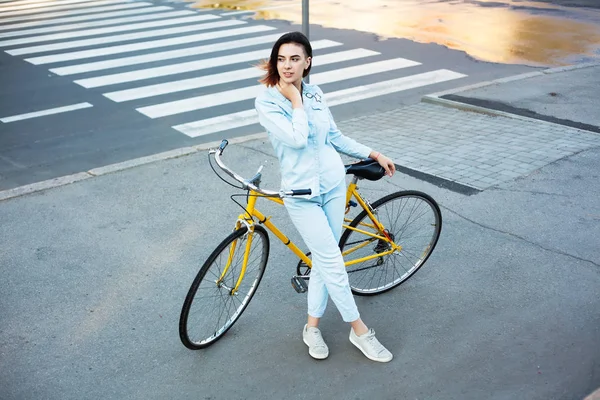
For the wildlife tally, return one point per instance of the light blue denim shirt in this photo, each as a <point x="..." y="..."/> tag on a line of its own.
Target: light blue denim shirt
<point x="306" y="140"/>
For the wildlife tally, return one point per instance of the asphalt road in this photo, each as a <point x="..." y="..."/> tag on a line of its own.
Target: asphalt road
<point x="95" y="273"/>
<point x="111" y="131"/>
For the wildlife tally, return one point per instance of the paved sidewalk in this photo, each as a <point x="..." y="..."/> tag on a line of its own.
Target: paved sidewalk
<point x="471" y="149"/>
<point x="565" y="95"/>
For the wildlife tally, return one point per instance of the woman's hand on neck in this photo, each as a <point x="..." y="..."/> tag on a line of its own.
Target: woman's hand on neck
<point x="291" y="92"/>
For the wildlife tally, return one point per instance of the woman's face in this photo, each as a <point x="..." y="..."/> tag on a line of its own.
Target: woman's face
<point x="291" y="62"/>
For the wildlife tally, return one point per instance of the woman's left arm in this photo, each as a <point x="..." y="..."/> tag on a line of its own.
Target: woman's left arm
<point x="351" y="147"/>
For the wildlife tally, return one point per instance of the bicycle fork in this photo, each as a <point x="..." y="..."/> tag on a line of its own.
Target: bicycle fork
<point x="242" y="220"/>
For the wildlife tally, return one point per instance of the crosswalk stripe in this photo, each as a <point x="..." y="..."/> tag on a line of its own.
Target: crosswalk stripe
<point x="136" y="9"/>
<point x="42" y="113"/>
<point x="395" y="85"/>
<point x="218" y="124"/>
<point x="166" y="70"/>
<point x="11" y="4"/>
<point x="160" y="56"/>
<point x="20" y="2"/>
<point x="182" y="85"/>
<point x="150" y="13"/>
<point x="235" y="95"/>
<point x="153" y="44"/>
<point x="227" y="14"/>
<point x="249" y="117"/>
<point x="224" y="77"/>
<point x="42" y="5"/>
<point x="362" y="70"/>
<point x="126" y="37"/>
<point x="23" y="2"/>
<point x="199" y="102"/>
<point x="112" y="29"/>
<point x="40" y="12"/>
<point x="65" y="13"/>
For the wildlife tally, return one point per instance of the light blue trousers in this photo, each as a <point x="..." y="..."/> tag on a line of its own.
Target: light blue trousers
<point x="319" y="221"/>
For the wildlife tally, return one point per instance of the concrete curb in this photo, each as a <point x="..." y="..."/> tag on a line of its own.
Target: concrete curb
<point x="436" y="98"/>
<point x="110" y="169"/>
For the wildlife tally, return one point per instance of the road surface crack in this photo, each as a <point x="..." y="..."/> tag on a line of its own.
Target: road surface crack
<point x="530" y="191"/>
<point x="514" y="235"/>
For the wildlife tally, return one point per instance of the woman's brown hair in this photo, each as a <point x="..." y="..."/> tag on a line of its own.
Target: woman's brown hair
<point x="271" y="78"/>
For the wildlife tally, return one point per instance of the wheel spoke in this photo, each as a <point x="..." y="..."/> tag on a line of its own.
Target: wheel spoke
<point x="211" y="309"/>
<point x="414" y="221"/>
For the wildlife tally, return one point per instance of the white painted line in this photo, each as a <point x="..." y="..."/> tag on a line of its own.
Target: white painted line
<point x="225" y="77"/>
<point x="10" y="3"/>
<point x="103" y="51"/>
<point x="182" y="85"/>
<point x="200" y="102"/>
<point x="245" y="118"/>
<point x="392" y="86"/>
<point x="13" y="2"/>
<point x="237" y="13"/>
<point x="130" y="36"/>
<point x="342" y="56"/>
<point x="74" y="12"/>
<point x="39" y="12"/>
<point x="113" y="29"/>
<point x="41" y="5"/>
<point x="235" y="95"/>
<point x="221" y="123"/>
<point x="362" y="70"/>
<point x="173" y="69"/>
<point x="45" y="112"/>
<point x="114" y="21"/>
<point x="160" y="56"/>
<point x="136" y="9"/>
<point x="19" y="2"/>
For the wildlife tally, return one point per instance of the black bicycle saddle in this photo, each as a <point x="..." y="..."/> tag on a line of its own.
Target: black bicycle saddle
<point x="366" y="169"/>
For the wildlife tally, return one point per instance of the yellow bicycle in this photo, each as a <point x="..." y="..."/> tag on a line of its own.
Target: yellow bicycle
<point x="383" y="246"/>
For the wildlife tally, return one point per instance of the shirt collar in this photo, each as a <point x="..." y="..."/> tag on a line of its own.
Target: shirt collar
<point x="306" y="93"/>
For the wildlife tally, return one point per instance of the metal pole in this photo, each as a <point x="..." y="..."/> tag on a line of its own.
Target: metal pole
<point x="305" y="25"/>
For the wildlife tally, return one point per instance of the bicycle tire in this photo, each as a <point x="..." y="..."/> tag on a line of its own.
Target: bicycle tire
<point x="223" y="248"/>
<point x="384" y="261"/>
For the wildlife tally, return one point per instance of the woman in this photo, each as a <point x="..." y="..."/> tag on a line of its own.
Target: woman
<point x="306" y="141"/>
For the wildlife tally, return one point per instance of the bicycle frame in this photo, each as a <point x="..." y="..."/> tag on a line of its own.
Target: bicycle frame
<point x="251" y="213"/>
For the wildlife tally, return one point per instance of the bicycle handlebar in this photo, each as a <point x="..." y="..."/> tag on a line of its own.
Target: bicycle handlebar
<point x="248" y="184"/>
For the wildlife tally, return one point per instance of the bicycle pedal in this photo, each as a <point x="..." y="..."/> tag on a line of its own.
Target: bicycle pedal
<point x="299" y="283"/>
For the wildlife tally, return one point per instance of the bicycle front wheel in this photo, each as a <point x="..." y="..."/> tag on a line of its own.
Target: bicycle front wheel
<point x="212" y="304"/>
<point x="412" y="220"/>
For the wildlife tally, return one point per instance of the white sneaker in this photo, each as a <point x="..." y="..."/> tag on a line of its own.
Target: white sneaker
<point x="316" y="345"/>
<point x="370" y="346"/>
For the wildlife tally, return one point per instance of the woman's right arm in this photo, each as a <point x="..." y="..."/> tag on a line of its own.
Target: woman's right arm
<point x="293" y="133"/>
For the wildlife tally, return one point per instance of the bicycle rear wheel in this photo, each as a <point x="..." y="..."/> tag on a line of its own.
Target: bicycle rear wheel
<point x="413" y="220"/>
<point x="211" y="308"/>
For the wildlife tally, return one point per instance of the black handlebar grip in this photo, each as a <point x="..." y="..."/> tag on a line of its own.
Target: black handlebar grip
<point x="224" y="144"/>
<point x="301" y="192"/>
